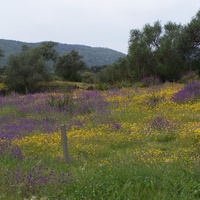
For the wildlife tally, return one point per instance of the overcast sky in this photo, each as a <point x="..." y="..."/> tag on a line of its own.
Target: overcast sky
<point x="96" y="23"/>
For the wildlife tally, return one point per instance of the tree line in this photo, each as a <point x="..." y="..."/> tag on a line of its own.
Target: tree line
<point x="31" y="66"/>
<point x="162" y="52"/>
<point x="166" y="52"/>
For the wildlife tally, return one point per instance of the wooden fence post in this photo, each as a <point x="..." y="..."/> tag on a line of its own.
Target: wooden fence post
<point x="64" y="144"/>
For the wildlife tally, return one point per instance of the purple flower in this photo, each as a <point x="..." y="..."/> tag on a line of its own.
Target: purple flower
<point x="116" y="126"/>
<point x="34" y="177"/>
<point x="7" y="148"/>
<point x="191" y="91"/>
<point x="159" y="122"/>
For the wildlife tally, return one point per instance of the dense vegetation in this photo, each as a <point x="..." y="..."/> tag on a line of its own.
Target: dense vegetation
<point x="131" y="143"/>
<point x="69" y="65"/>
<point x="136" y="142"/>
<point x="156" y="54"/>
<point x="92" y="56"/>
<point x="163" y="52"/>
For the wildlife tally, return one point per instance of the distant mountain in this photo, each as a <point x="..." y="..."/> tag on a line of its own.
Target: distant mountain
<point x="93" y="56"/>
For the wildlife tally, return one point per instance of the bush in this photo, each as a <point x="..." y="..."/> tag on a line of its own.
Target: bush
<point x="154" y="97"/>
<point x="3" y="89"/>
<point x="189" y="76"/>
<point x="102" y="86"/>
<point x="150" y="81"/>
<point x="88" y="77"/>
<point x="61" y="103"/>
<point x="123" y="84"/>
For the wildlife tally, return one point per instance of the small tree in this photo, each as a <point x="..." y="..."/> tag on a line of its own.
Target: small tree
<point x="142" y="46"/>
<point x="25" y="70"/>
<point x="115" y="72"/>
<point x="154" y="51"/>
<point x="189" y="43"/>
<point x="168" y="63"/>
<point x="48" y="51"/>
<point x="69" y="66"/>
<point x="2" y="69"/>
<point x="1" y="53"/>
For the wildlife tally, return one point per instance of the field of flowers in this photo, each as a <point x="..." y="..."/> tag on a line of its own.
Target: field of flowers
<point x="130" y="143"/>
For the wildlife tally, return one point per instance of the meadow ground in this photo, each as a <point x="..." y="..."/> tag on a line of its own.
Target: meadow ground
<point x="131" y="143"/>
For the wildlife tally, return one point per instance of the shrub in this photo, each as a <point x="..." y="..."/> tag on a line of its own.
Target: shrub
<point x="123" y="84"/>
<point x="102" y="86"/>
<point x="3" y="89"/>
<point x="88" y="77"/>
<point x="150" y="81"/>
<point x="189" y="76"/>
<point x="154" y="98"/>
<point x="60" y="102"/>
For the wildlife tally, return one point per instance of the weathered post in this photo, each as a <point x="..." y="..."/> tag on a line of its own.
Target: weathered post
<point x="64" y="144"/>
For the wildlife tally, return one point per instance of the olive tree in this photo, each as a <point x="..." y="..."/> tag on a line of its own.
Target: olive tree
<point x="25" y="70"/>
<point x="69" y="66"/>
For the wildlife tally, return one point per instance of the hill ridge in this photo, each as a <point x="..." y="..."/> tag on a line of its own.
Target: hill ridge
<point x="93" y="56"/>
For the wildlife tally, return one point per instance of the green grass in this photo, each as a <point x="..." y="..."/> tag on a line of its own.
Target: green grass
<point x="7" y="110"/>
<point x="136" y="161"/>
<point x="121" y="181"/>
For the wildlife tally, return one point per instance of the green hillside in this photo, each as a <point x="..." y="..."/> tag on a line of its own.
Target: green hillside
<point x="93" y="56"/>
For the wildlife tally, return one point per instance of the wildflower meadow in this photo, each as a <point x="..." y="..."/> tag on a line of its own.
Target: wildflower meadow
<point x="128" y="143"/>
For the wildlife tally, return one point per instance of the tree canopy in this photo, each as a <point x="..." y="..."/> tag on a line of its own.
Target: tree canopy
<point x="26" y="69"/>
<point x="69" y="66"/>
<point x="166" y="51"/>
<point x="1" y="53"/>
<point x="154" y="50"/>
<point x="162" y="51"/>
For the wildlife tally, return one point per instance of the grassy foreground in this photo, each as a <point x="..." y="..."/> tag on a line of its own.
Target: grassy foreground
<point x="132" y="143"/>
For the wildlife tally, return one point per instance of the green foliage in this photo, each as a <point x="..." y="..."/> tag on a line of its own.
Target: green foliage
<point x="136" y="153"/>
<point x="69" y="66"/>
<point x="189" y="77"/>
<point x="48" y="50"/>
<point x="154" y="98"/>
<point x="1" y="53"/>
<point x="58" y="86"/>
<point x="169" y="65"/>
<point x="189" y="43"/>
<point x="166" y="52"/>
<point x="102" y="86"/>
<point x="2" y="74"/>
<point x="150" y="81"/>
<point x="60" y="103"/>
<point x="88" y="77"/>
<point x="25" y="47"/>
<point x="92" y="56"/>
<point x="116" y="72"/>
<point x="3" y="88"/>
<point x="25" y="70"/>
<point x="123" y="84"/>
<point x="153" y="51"/>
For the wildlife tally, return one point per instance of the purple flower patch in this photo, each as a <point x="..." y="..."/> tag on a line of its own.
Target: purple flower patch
<point x="34" y="178"/>
<point x="191" y="91"/>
